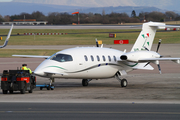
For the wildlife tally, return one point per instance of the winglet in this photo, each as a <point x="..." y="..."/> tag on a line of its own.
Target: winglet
<point x="7" y="39"/>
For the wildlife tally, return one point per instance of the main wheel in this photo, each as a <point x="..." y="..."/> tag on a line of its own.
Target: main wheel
<point x="124" y="83"/>
<point x="85" y="82"/>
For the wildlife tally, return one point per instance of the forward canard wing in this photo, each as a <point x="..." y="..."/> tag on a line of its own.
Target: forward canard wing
<point x="50" y="72"/>
<point x="31" y="56"/>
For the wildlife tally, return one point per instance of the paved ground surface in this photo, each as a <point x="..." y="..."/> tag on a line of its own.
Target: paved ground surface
<point x="70" y="111"/>
<point x="71" y="27"/>
<point x="144" y="86"/>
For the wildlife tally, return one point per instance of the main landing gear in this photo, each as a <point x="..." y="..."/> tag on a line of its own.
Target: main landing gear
<point x="123" y="82"/>
<point x="85" y="82"/>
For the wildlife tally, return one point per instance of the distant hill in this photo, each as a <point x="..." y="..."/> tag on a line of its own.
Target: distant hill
<point x="12" y="8"/>
<point x="121" y="9"/>
<point x="86" y="3"/>
<point x="161" y="4"/>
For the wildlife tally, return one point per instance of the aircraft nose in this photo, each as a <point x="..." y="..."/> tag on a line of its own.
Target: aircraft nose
<point x="38" y="72"/>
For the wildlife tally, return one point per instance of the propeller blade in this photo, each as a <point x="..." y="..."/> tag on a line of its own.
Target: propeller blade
<point x="159" y="43"/>
<point x="159" y="69"/>
<point x="146" y="48"/>
<point x="147" y="64"/>
<point x="97" y="45"/>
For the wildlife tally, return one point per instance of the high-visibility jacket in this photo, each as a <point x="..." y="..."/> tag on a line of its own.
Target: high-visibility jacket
<point x="25" y="68"/>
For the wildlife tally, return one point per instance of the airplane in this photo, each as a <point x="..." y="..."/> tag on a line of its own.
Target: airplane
<point x="88" y="63"/>
<point x="7" y="39"/>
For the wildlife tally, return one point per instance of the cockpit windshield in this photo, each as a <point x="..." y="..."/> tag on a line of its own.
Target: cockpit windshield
<point x="62" y="58"/>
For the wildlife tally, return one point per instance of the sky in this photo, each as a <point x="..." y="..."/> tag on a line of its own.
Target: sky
<point x="5" y="0"/>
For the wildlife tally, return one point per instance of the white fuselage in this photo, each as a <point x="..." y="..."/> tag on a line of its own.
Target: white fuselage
<point x="86" y="63"/>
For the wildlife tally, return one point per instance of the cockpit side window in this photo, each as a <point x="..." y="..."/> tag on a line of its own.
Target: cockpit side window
<point x="62" y="58"/>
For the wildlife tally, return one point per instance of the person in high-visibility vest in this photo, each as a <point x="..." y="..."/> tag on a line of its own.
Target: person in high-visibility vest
<point x="24" y="67"/>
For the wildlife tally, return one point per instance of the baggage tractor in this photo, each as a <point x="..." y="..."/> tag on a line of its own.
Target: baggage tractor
<point x="17" y="80"/>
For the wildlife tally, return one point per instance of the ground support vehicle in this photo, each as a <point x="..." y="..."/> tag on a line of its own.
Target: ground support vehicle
<point x="17" y="80"/>
<point x="48" y="87"/>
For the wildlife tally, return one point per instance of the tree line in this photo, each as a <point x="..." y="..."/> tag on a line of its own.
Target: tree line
<point x="56" y="18"/>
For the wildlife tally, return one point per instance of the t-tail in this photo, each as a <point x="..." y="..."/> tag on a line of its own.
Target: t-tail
<point x="146" y="37"/>
<point x="7" y="39"/>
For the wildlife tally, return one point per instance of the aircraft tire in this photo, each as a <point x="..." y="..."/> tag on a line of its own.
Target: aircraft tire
<point x="85" y="82"/>
<point x="124" y="83"/>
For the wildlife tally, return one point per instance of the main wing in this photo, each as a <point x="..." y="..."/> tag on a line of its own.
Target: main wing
<point x="176" y="60"/>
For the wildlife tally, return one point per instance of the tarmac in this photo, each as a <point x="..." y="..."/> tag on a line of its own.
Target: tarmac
<point x="143" y="86"/>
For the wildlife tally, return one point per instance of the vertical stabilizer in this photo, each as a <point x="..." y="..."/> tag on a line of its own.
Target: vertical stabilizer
<point x="146" y="37"/>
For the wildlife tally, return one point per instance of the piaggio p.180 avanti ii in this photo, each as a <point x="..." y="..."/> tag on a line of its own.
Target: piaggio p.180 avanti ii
<point x="89" y="63"/>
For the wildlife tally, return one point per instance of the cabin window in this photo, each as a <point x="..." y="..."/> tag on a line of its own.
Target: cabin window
<point x="85" y="57"/>
<point x="62" y="58"/>
<point x="115" y="58"/>
<point x="109" y="58"/>
<point x="92" y="58"/>
<point x="98" y="59"/>
<point x="104" y="59"/>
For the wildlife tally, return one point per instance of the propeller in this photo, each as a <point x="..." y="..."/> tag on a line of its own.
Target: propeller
<point x="159" y="43"/>
<point x="157" y="62"/>
<point x="159" y="69"/>
<point x="97" y="45"/>
<point x="147" y="50"/>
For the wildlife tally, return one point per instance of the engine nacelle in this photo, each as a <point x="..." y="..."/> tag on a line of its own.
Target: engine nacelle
<point x="139" y="55"/>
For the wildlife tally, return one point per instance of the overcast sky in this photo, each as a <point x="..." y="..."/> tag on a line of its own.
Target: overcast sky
<point x="5" y="0"/>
